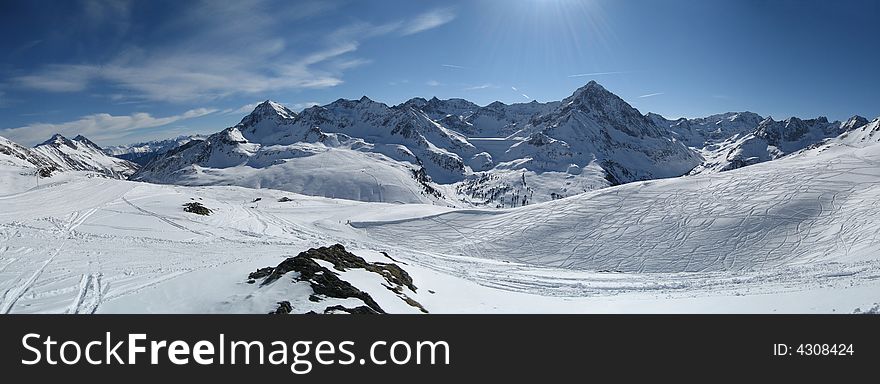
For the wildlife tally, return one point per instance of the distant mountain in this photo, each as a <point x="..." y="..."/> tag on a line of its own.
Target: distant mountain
<point x="711" y="130"/>
<point x="434" y="151"/>
<point x="144" y="152"/>
<point x="857" y="132"/>
<point x="771" y="140"/>
<point x="737" y="139"/>
<point x="81" y="154"/>
<point x="16" y="155"/>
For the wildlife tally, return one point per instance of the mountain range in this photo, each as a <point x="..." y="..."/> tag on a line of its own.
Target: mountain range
<point x="62" y="154"/>
<point x="451" y="152"/>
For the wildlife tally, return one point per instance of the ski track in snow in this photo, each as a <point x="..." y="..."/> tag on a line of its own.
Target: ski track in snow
<point x="707" y="224"/>
<point x="783" y="226"/>
<point x="13" y="294"/>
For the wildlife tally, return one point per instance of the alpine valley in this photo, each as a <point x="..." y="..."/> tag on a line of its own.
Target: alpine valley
<point x="579" y="205"/>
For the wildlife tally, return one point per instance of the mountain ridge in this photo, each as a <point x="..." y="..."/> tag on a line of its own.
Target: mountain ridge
<point x="459" y="153"/>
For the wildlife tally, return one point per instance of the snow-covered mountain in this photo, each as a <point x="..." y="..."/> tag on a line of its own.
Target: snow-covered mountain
<point x="738" y="139"/>
<point x="434" y="151"/>
<point x="144" y="152"/>
<point x="13" y="154"/>
<point x="81" y="154"/>
<point x="772" y="140"/>
<point x="858" y="132"/>
<point x="707" y="131"/>
<point x="794" y="235"/>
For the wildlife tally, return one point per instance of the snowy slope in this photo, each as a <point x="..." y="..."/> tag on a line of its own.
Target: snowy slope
<point x="792" y="235"/>
<point x="737" y="139"/>
<point x="460" y="153"/>
<point x="80" y="154"/>
<point x="325" y="167"/>
<point x="858" y="132"/>
<point x="13" y="154"/>
<point x="796" y="211"/>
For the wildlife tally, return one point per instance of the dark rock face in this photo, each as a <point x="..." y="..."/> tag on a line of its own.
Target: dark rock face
<point x="197" y="208"/>
<point x="327" y="283"/>
<point x="343" y="260"/>
<point x="261" y="273"/>
<point x="46" y="171"/>
<point x="361" y="310"/>
<point x="284" y="308"/>
<point x="322" y="280"/>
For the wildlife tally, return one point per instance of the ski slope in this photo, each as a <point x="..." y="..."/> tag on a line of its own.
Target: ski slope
<point x="792" y="235"/>
<point x="802" y="210"/>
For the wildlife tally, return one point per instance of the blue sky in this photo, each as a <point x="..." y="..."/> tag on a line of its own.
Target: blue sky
<point x="124" y="71"/>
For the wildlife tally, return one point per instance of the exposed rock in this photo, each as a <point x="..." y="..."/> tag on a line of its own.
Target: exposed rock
<point x="197" y="208"/>
<point x="284" y="308"/>
<point x="261" y="273"/>
<point x="322" y="280"/>
<point x="360" y="310"/>
<point x="343" y="259"/>
<point x="327" y="283"/>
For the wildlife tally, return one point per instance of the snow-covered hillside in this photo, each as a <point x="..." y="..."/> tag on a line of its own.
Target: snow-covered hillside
<point x="13" y="154"/>
<point x="737" y="139"/>
<point x="791" y="235"/>
<point x="81" y="154"/>
<point x="453" y="151"/>
<point x="809" y="209"/>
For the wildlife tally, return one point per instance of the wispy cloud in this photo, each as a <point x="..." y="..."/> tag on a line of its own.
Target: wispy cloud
<point x="251" y="60"/>
<point x="25" y="46"/>
<point x="59" y="78"/>
<point x="247" y="108"/>
<point x="478" y="87"/>
<point x="433" y="83"/>
<point x="599" y="74"/>
<point x="452" y="66"/>
<point x="514" y="89"/>
<point x="101" y="127"/>
<point x="652" y="94"/>
<point x="428" y="20"/>
<point x="526" y="96"/>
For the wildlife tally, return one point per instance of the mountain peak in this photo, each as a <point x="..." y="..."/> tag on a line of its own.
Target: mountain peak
<point x="496" y="104"/>
<point x="854" y="122"/>
<point x="591" y="91"/>
<point x="267" y="109"/>
<point x="591" y="86"/>
<point x="57" y="140"/>
<point x="273" y="107"/>
<point x="416" y="102"/>
<point x="83" y="140"/>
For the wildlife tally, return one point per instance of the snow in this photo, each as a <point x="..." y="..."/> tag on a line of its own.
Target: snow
<point x="453" y="141"/>
<point x="571" y="206"/>
<point x="81" y="154"/>
<point x="144" y="152"/>
<point x="791" y="235"/>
